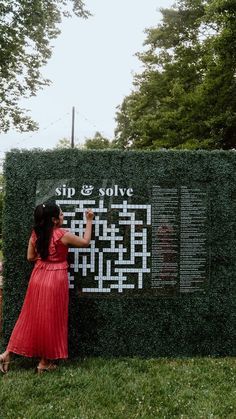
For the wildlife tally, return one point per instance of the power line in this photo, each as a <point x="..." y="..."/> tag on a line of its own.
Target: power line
<point x="91" y="123"/>
<point x="45" y="128"/>
<point x="51" y="124"/>
<point x="39" y="131"/>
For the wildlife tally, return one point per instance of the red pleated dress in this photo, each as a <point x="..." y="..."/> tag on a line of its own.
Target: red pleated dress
<point x="42" y="327"/>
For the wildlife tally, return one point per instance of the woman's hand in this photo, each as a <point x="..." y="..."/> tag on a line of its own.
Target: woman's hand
<point x="89" y="214"/>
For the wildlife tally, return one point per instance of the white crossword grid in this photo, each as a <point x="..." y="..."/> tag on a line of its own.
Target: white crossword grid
<point x="109" y="273"/>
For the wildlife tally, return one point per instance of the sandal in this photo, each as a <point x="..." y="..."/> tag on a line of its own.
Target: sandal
<point x="49" y="368"/>
<point x="4" y="365"/>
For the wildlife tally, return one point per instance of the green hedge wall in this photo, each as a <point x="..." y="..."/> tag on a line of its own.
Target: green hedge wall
<point x="138" y="323"/>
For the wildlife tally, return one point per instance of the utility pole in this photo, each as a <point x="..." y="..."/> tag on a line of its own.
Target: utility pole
<point x="73" y="128"/>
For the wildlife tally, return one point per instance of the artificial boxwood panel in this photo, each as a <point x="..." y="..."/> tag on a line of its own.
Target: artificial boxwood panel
<point x="173" y="218"/>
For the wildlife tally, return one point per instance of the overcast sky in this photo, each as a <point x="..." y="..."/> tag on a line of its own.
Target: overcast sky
<point x="91" y="68"/>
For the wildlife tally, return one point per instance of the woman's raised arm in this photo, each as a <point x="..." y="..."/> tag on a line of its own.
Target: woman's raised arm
<point x="73" y="240"/>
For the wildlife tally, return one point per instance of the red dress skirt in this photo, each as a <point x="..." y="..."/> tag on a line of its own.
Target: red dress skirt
<point x="42" y="327"/>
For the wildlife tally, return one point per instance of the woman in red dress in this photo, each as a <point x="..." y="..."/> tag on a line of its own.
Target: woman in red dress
<point x="42" y="327"/>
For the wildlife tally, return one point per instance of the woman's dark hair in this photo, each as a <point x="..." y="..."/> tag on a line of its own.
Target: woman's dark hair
<point x="43" y="226"/>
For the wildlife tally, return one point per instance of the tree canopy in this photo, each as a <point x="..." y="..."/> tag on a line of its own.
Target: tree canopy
<point x="186" y="95"/>
<point x="64" y="143"/>
<point x="98" y="142"/>
<point x="26" y="31"/>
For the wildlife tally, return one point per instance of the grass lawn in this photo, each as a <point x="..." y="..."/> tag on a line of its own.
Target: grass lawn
<point x="121" y="388"/>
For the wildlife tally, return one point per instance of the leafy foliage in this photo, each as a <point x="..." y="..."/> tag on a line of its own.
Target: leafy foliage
<point x="64" y="143"/>
<point x="186" y="96"/>
<point x="98" y="142"/>
<point x="1" y="202"/>
<point x="26" y="31"/>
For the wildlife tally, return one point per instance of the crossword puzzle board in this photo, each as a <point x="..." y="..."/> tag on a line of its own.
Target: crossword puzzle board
<point x="154" y="245"/>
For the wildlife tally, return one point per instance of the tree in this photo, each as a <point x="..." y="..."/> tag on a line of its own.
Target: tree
<point x="98" y="142"/>
<point x="1" y="206"/>
<point x="186" y="96"/>
<point x="66" y="143"/>
<point x="26" y="31"/>
<point x="63" y="143"/>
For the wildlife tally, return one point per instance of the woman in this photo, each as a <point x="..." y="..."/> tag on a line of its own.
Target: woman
<point x="42" y="327"/>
